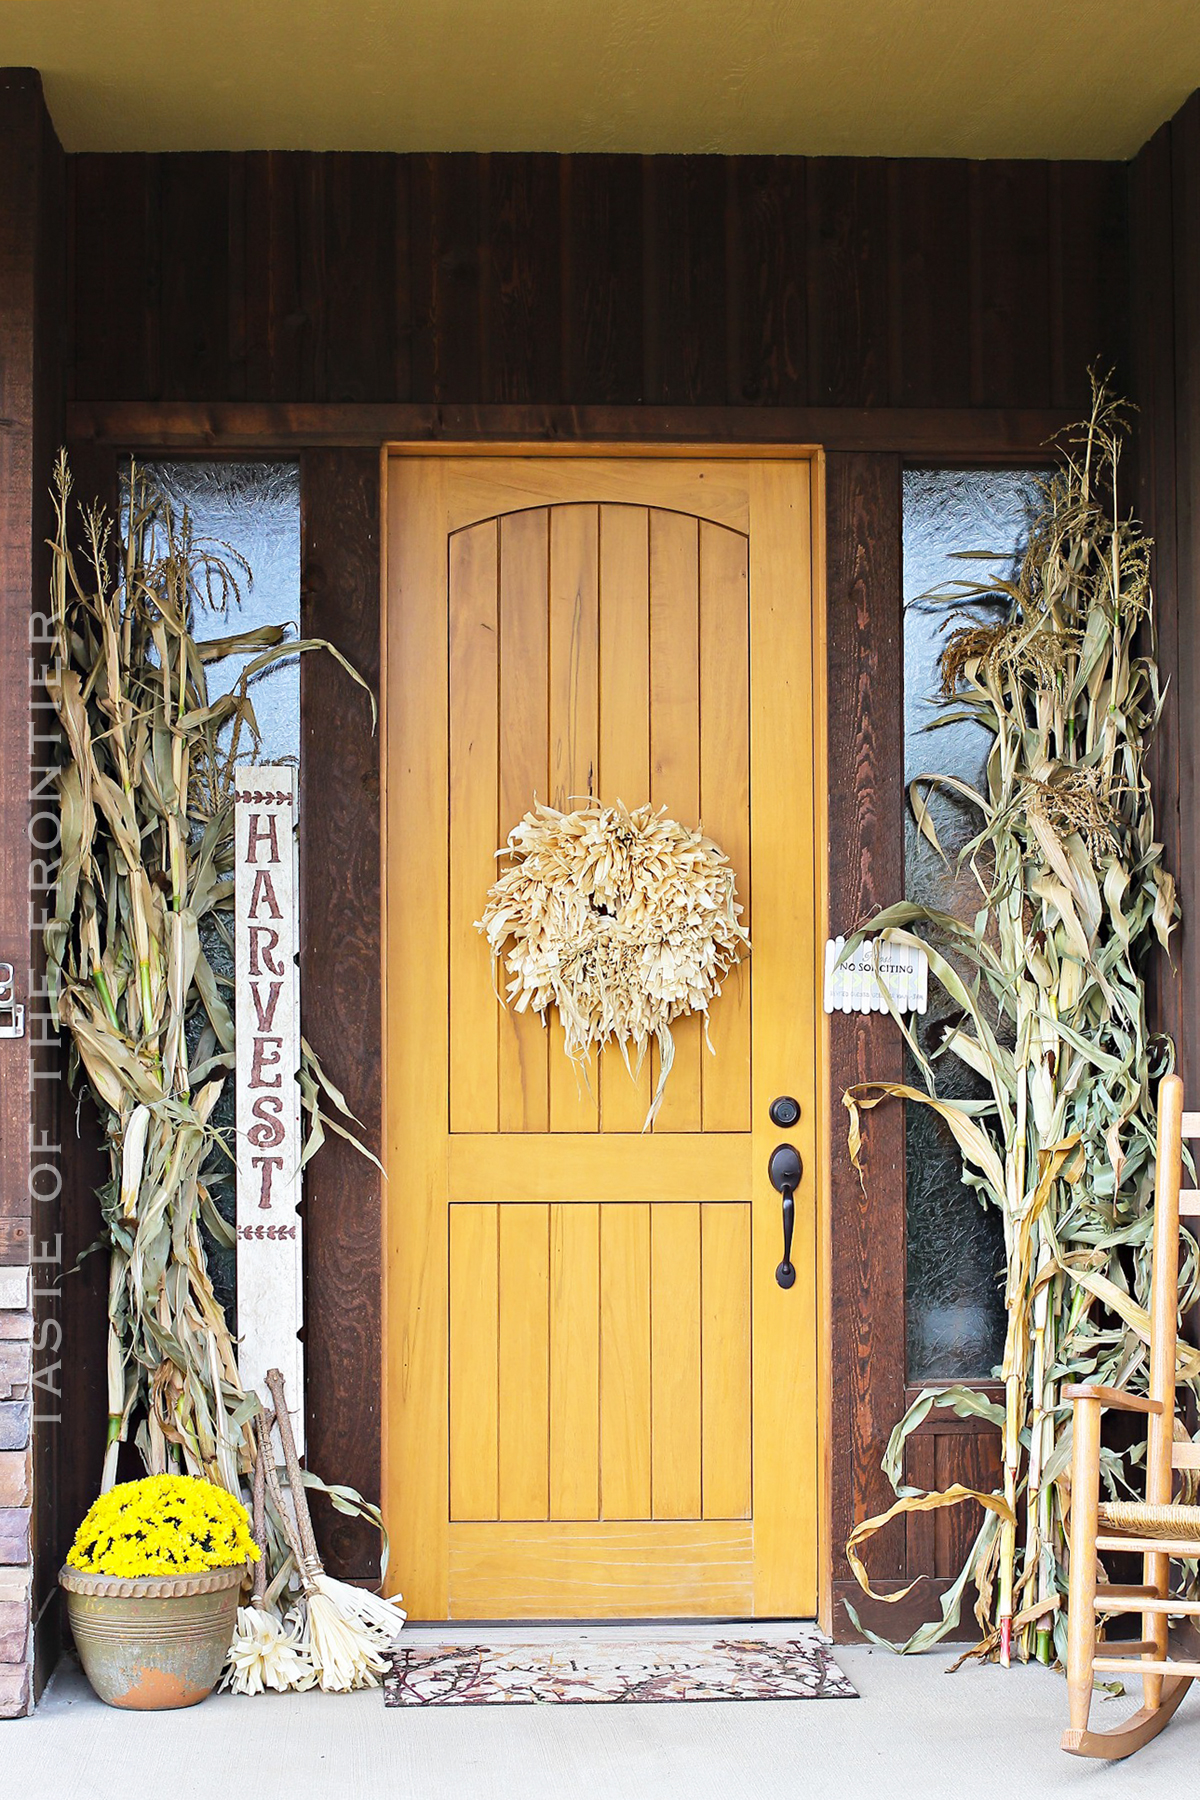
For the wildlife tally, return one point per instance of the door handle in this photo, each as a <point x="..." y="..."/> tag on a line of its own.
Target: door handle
<point x="784" y="1171"/>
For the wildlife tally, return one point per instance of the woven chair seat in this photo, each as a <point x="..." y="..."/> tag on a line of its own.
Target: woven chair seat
<point x="1141" y="1519"/>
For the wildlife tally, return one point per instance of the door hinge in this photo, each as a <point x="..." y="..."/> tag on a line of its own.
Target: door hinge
<point x="12" y="1013"/>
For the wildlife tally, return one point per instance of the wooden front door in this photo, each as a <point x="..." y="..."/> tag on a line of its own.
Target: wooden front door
<point x="598" y="1400"/>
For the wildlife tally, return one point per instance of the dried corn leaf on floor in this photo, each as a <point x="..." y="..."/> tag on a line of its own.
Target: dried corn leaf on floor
<point x="916" y="1732"/>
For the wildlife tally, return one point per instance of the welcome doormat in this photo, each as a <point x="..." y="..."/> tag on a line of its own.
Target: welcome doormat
<point x="597" y="1670"/>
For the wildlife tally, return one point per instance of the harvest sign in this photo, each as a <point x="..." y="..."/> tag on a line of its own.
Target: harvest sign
<point x="269" y="1278"/>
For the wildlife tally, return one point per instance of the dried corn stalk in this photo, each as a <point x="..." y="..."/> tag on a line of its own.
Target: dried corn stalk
<point x="144" y="898"/>
<point x="1049" y="991"/>
<point x="624" y="921"/>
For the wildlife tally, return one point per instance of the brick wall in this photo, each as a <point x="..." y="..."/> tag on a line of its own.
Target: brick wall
<point x="16" y="1491"/>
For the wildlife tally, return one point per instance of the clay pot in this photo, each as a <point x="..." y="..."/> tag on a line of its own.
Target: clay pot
<point x="150" y="1642"/>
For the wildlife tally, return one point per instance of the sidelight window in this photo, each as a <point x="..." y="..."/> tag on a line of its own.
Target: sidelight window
<point x="955" y="1301"/>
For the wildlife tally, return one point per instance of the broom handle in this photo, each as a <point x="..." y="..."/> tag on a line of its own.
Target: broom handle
<point x="267" y="1456"/>
<point x="295" y="1479"/>
<point x="262" y="1433"/>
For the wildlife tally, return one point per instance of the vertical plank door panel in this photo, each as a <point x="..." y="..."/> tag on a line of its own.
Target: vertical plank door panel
<point x="675" y="1361"/>
<point x="474" y="1371"/>
<point x="725" y="1360"/>
<point x="624" y="736"/>
<point x="625" y="1362"/>
<point x="574" y="745"/>
<point x="575" y="1361"/>
<point x="675" y="750"/>
<point x="524" y="779"/>
<point x="524" y="1384"/>
<point x="474" y="750"/>
<point x="725" y="802"/>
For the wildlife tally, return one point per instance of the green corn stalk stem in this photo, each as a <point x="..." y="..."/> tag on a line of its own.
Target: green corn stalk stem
<point x="144" y="889"/>
<point x="1048" y="983"/>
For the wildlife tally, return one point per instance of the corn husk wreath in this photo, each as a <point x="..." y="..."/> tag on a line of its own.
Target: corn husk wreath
<point x="1049" y="991"/>
<point x="624" y="921"/>
<point x="144" y="894"/>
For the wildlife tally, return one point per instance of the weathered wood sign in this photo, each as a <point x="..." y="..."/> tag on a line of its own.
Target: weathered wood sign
<point x="269" y="1269"/>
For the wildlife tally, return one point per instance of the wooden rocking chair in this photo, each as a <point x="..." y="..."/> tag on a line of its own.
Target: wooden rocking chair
<point x="1156" y="1528"/>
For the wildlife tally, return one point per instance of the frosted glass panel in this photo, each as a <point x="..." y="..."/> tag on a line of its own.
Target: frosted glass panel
<point x="955" y="1302"/>
<point x="254" y="508"/>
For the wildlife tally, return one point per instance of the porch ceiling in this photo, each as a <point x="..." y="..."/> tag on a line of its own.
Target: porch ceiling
<point x="1009" y="78"/>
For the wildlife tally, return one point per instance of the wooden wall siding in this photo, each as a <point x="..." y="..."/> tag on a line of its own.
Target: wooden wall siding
<point x="590" y="280"/>
<point x="1165" y="367"/>
<point x="340" y="964"/>
<point x="866" y="871"/>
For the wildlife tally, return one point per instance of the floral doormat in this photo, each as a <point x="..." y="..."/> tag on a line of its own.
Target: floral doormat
<point x="597" y="1670"/>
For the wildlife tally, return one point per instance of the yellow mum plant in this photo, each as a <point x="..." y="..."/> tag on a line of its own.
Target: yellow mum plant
<point x="163" y="1525"/>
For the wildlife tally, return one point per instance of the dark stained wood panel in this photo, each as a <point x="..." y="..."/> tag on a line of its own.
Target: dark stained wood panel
<point x="1089" y="236"/>
<point x="1152" y="319"/>
<point x="593" y="280"/>
<point x="866" y="871"/>
<point x="684" y="249"/>
<point x="848" y="281"/>
<point x="365" y="277"/>
<point x="114" y="256"/>
<point x="447" y="287"/>
<point x="340" y="964"/>
<point x="1010" y="283"/>
<point x="929" y="348"/>
<point x="768" y="283"/>
<point x="283" y="261"/>
<point x="194" y="279"/>
<point x="970" y="435"/>
<point x="522" y="334"/>
<point x="602" y="288"/>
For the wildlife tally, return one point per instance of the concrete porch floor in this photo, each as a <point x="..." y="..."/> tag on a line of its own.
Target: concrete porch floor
<point x="916" y="1732"/>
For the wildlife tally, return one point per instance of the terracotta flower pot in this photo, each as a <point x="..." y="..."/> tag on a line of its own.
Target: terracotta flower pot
<point x="152" y="1641"/>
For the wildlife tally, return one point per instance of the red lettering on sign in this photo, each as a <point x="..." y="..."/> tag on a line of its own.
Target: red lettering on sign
<point x="266" y="1015"/>
<point x="268" y="1164"/>
<point x="269" y="964"/>
<point x="265" y="1058"/>
<point x="263" y="895"/>
<point x="259" y="833"/>
<point x="268" y="1110"/>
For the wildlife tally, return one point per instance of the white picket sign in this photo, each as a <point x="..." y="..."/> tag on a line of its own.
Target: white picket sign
<point x="270" y="1296"/>
<point x="854" y="986"/>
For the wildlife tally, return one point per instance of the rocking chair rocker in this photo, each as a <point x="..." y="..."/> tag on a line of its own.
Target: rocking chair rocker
<point x="1155" y="1528"/>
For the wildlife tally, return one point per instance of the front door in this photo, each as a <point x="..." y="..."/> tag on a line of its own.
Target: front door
<point x="598" y="1400"/>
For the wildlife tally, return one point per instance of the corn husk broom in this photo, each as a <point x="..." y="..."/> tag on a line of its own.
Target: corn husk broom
<point x="265" y="1653"/>
<point x="347" y="1630"/>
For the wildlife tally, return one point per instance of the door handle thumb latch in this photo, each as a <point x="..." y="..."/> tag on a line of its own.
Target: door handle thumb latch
<point x="784" y="1170"/>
